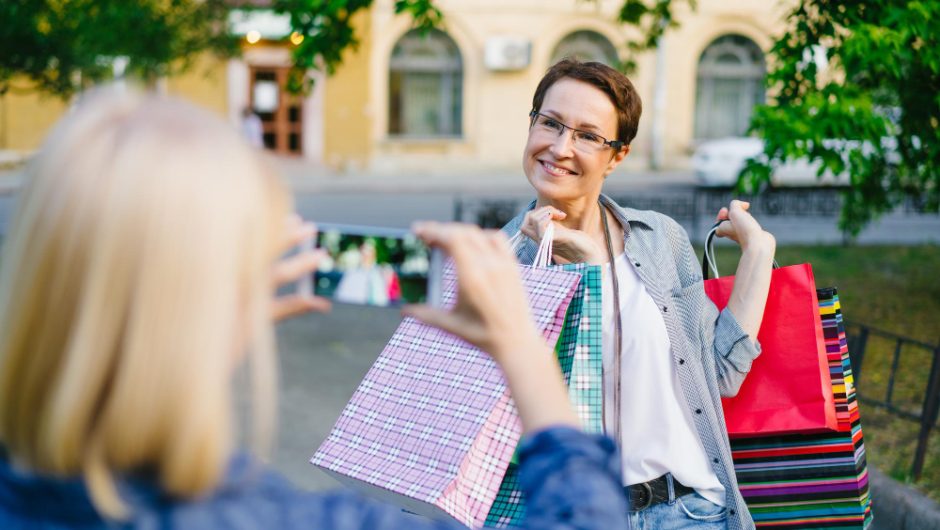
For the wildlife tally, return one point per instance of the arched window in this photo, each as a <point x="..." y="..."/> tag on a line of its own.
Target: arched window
<point x="425" y="86"/>
<point x="585" y="45"/>
<point x="730" y="82"/>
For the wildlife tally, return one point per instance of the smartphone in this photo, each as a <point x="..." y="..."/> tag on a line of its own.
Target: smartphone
<point x="375" y="266"/>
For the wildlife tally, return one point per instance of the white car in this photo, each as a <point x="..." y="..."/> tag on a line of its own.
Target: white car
<point x="719" y="162"/>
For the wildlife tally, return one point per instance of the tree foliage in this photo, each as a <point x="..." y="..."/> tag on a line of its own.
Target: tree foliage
<point x="65" y="45"/>
<point x="328" y="31"/>
<point x="856" y="87"/>
<point x="653" y="18"/>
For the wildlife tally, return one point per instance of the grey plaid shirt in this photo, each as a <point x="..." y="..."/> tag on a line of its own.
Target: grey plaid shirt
<point x="711" y="353"/>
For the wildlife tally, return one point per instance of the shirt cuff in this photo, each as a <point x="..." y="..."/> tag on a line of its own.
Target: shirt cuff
<point x="732" y="342"/>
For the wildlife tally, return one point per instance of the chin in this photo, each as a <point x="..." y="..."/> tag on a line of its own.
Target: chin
<point x="553" y="190"/>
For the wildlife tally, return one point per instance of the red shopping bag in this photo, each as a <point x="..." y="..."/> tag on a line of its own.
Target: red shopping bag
<point x="789" y="387"/>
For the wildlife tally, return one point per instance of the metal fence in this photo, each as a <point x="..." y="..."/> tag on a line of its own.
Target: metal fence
<point x="688" y="206"/>
<point x="691" y="207"/>
<point x="918" y="400"/>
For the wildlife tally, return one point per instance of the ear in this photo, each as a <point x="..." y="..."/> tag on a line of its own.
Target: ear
<point x="616" y="159"/>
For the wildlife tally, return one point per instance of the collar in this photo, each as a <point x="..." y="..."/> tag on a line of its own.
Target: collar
<point x="625" y="216"/>
<point x="629" y="217"/>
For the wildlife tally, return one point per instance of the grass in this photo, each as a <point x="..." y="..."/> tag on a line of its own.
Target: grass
<point x="895" y="289"/>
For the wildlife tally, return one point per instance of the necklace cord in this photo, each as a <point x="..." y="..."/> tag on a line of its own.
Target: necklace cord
<point x="618" y="327"/>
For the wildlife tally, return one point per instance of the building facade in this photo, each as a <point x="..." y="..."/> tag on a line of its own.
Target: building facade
<point x="455" y="101"/>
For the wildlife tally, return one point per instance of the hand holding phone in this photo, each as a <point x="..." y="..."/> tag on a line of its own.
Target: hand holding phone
<point x="375" y="266"/>
<point x="296" y="267"/>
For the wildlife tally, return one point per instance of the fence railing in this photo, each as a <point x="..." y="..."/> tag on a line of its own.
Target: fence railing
<point x="688" y="206"/>
<point x="685" y="205"/>
<point x="917" y="402"/>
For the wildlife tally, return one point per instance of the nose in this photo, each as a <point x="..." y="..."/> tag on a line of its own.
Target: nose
<point x="563" y="144"/>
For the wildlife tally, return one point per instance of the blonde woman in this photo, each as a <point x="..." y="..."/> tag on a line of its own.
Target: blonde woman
<point x="137" y="277"/>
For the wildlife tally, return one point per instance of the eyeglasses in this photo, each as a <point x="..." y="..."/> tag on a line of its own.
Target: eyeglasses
<point x="584" y="141"/>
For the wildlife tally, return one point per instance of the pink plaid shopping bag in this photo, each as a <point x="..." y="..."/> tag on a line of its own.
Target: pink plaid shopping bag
<point x="432" y="427"/>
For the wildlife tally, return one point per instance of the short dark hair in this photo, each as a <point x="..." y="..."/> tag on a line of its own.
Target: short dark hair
<point x="613" y="83"/>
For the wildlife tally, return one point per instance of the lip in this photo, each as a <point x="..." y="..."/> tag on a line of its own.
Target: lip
<point x="551" y="169"/>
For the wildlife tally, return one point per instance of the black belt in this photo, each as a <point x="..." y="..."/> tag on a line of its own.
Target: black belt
<point x="647" y="494"/>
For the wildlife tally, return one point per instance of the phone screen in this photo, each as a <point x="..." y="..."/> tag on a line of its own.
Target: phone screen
<point x="375" y="266"/>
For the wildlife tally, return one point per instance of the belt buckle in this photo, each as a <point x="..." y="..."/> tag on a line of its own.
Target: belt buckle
<point x="649" y="497"/>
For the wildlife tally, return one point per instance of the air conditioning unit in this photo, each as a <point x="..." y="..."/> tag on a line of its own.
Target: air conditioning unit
<point x="507" y="53"/>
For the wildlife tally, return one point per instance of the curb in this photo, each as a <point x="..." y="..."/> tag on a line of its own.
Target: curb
<point x="897" y="506"/>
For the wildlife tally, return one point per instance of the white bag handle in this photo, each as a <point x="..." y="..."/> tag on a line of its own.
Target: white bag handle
<point x="543" y="258"/>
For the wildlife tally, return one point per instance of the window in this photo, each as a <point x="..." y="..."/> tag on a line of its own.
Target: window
<point x="586" y="46"/>
<point x="425" y="86"/>
<point x="730" y="82"/>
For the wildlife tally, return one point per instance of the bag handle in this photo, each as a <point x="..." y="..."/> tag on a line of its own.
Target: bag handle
<point x="543" y="257"/>
<point x="708" y="256"/>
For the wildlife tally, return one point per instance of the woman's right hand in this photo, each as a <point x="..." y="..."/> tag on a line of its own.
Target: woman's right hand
<point x="568" y="245"/>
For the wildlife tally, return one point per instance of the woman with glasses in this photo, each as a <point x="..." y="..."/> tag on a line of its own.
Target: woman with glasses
<point x="137" y="279"/>
<point x="669" y="355"/>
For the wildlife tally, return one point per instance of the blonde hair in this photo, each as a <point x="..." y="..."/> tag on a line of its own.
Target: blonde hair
<point x="136" y="272"/>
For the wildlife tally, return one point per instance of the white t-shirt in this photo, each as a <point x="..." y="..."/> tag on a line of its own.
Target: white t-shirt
<point x="657" y="432"/>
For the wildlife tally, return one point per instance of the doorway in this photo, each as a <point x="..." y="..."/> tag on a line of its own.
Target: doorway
<point x="280" y="111"/>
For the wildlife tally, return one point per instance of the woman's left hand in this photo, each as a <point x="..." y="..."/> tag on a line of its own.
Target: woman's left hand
<point x="292" y="268"/>
<point x="740" y="226"/>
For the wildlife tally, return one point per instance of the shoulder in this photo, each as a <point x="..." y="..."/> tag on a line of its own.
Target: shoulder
<point x="648" y="223"/>
<point x="511" y="227"/>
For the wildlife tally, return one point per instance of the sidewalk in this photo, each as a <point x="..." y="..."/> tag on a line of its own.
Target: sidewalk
<point x="307" y="177"/>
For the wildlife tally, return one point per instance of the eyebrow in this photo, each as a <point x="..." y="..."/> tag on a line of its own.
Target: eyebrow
<point x="586" y="127"/>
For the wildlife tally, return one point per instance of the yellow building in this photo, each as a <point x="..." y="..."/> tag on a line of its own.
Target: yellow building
<point x="456" y="100"/>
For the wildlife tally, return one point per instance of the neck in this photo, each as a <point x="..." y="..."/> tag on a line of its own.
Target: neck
<point x="583" y="212"/>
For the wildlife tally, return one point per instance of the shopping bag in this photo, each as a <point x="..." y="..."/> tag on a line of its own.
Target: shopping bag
<point x="432" y="426"/>
<point x="789" y="387"/>
<point x="579" y="354"/>
<point x="811" y="480"/>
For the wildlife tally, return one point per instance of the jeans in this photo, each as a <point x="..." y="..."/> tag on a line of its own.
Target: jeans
<point x="690" y="511"/>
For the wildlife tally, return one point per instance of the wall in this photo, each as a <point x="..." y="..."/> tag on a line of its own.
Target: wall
<point x="204" y="84"/>
<point x="348" y="115"/>
<point x="26" y="116"/>
<point x="495" y="104"/>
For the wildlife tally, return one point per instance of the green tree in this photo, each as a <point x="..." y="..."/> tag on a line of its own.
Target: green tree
<point x="879" y="91"/>
<point x="855" y="86"/>
<point x="64" y="46"/>
<point x="328" y="31"/>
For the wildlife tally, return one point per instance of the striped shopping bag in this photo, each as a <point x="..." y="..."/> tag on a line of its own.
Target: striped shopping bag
<point x="811" y="480"/>
<point x="579" y="354"/>
<point x="432" y="426"/>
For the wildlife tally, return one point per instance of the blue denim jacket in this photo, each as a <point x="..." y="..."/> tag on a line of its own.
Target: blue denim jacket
<point x="572" y="480"/>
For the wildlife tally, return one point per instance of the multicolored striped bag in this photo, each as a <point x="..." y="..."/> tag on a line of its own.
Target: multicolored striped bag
<point x="432" y="426"/>
<point x="811" y="480"/>
<point x="579" y="354"/>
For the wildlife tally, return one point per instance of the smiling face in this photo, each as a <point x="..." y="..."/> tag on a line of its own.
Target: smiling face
<point x="559" y="171"/>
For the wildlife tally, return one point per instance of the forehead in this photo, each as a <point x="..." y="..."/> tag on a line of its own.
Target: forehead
<point x="580" y="105"/>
